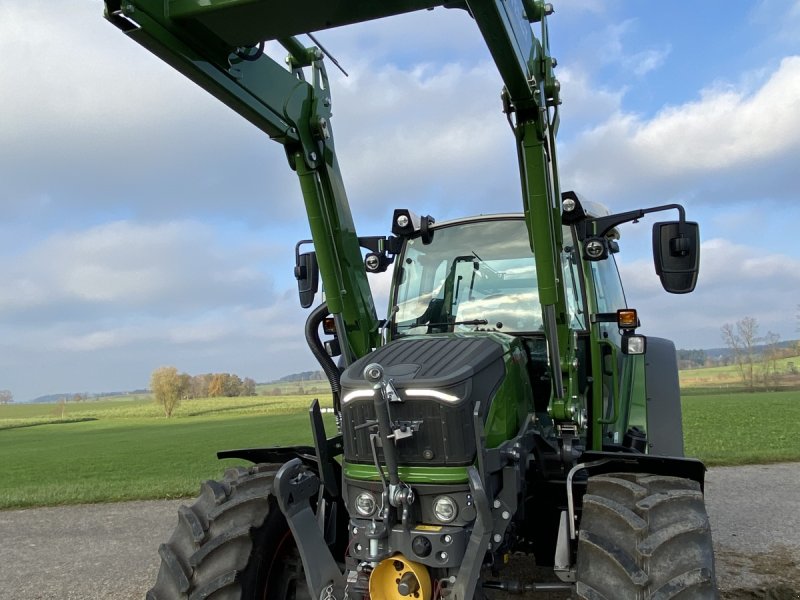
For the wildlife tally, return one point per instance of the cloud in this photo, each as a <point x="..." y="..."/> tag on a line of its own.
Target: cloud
<point x="96" y="123"/>
<point x="780" y="17"/>
<point x="121" y="135"/>
<point x="643" y="62"/>
<point x="429" y="137"/>
<point x="583" y="101"/>
<point x="607" y="47"/>
<point x="735" y="281"/>
<point x="127" y="268"/>
<point x="119" y="351"/>
<point x="726" y="134"/>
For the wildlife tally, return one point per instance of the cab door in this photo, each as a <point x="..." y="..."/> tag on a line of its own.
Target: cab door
<point x="606" y="296"/>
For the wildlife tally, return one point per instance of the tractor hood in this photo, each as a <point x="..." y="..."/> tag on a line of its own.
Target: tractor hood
<point x="439" y="379"/>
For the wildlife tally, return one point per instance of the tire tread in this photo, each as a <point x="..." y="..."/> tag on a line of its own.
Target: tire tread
<point x="212" y="545"/>
<point x="644" y="537"/>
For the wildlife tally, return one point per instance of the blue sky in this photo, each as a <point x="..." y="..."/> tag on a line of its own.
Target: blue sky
<point x="143" y="224"/>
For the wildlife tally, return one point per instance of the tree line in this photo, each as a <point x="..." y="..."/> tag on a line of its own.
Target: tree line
<point x="755" y="356"/>
<point x="169" y="387"/>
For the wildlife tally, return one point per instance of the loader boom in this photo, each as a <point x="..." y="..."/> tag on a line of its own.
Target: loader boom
<point x="219" y="46"/>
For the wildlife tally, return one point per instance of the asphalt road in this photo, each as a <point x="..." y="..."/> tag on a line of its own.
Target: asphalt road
<point x="109" y="551"/>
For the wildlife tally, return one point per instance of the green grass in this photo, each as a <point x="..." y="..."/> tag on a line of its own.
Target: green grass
<point x="729" y="376"/>
<point x="749" y="428"/>
<point x="145" y="408"/>
<point x="313" y="386"/>
<point x="126" y="459"/>
<point x="125" y="449"/>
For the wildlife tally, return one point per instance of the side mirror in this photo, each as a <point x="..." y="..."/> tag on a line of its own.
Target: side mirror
<point x="676" y="253"/>
<point x="306" y="271"/>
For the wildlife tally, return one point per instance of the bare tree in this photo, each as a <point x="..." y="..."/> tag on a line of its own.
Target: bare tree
<point x="797" y="316"/>
<point x="742" y="338"/>
<point x="168" y="388"/>
<point x="248" y="387"/>
<point x="6" y="397"/>
<point x="199" y="385"/>
<point x="217" y="386"/>
<point x="60" y="409"/>
<point x="769" y="364"/>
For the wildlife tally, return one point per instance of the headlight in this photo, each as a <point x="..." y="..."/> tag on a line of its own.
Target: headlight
<point x="445" y="509"/>
<point x="365" y="504"/>
<point x="439" y="395"/>
<point x="357" y="395"/>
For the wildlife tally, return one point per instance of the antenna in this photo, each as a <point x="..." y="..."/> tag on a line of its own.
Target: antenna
<point x="328" y="54"/>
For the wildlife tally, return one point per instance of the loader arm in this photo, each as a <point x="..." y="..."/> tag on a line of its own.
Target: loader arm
<point x="218" y="44"/>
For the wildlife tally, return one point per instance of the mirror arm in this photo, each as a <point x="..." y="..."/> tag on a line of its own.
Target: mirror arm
<point x="600" y="226"/>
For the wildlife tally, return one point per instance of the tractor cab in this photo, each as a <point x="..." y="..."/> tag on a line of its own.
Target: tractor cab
<point x="475" y="274"/>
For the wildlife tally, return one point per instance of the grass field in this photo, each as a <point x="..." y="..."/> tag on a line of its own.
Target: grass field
<point x="729" y="377"/>
<point x="128" y="450"/>
<point x="125" y="449"/>
<point x="747" y="428"/>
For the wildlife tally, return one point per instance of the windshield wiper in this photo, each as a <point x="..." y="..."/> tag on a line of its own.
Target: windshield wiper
<point x="445" y="324"/>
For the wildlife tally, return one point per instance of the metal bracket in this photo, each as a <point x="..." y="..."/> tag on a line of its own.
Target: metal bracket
<point x="467" y="578"/>
<point x="562" y="566"/>
<point x="323" y="448"/>
<point x="294" y="487"/>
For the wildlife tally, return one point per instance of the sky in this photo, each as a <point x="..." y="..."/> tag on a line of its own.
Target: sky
<point x="143" y="223"/>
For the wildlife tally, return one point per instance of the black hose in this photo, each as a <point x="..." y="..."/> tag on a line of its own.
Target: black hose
<point x="318" y="350"/>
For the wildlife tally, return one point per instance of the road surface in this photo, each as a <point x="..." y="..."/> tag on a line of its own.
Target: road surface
<point x="109" y="551"/>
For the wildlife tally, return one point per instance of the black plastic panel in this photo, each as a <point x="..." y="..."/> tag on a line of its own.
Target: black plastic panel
<point x="470" y="368"/>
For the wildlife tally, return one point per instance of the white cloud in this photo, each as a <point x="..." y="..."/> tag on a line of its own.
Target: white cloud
<point x="608" y="48"/>
<point x="780" y="17"/>
<point x="725" y="131"/>
<point x="125" y="266"/>
<point x="641" y="63"/>
<point x="583" y="102"/>
<point x="96" y="123"/>
<point x="735" y="281"/>
<point x="429" y="137"/>
<point x="223" y="326"/>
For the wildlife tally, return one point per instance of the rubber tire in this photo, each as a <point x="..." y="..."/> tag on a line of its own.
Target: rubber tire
<point x="233" y="543"/>
<point x="644" y="537"/>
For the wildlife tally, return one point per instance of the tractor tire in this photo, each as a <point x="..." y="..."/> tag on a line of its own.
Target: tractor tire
<point x="233" y="543"/>
<point x="644" y="537"/>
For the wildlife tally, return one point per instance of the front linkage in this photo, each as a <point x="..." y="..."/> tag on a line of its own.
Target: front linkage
<point x="392" y="536"/>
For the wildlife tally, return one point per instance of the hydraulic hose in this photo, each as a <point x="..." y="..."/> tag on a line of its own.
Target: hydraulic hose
<point x="318" y="350"/>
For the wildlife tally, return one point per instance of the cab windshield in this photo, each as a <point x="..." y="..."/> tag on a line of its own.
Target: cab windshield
<point x="479" y="275"/>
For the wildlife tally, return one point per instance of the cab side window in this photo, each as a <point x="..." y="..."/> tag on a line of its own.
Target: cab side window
<point x="610" y="296"/>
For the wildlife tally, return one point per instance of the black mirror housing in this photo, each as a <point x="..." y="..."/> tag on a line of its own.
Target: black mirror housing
<point x="306" y="271"/>
<point x="676" y="253"/>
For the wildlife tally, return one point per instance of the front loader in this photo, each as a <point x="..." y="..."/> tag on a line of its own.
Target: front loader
<point x="505" y="406"/>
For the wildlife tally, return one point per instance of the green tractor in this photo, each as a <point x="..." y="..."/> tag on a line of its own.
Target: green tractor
<point x="505" y="406"/>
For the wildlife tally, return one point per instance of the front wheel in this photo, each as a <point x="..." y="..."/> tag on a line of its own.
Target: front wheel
<point x="233" y="543"/>
<point x="644" y="537"/>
